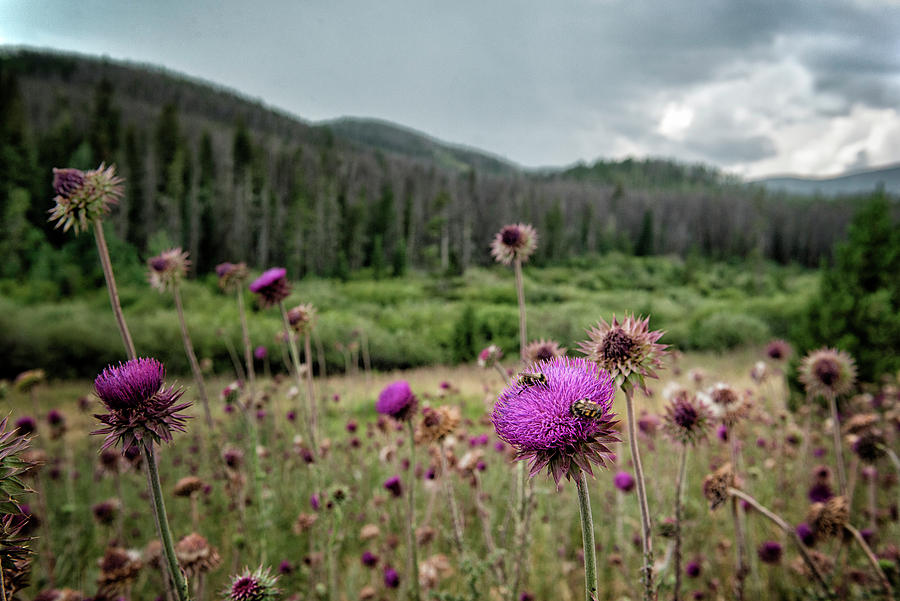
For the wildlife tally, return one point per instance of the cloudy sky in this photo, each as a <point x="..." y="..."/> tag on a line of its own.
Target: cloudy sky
<point x="753" y="86"/>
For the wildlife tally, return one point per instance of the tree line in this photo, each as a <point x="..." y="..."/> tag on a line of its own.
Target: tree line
<point x="228" y="179"/>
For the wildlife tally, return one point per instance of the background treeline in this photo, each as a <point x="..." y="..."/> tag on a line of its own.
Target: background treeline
<point x="229" y="179"/>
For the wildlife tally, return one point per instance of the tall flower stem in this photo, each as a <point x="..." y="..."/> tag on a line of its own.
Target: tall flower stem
<point x="836" y="436"/>
<point x="679" y="493"/>
<point x="103" y="251"/>
<point x="414" y="593"/>
<point x="189" y="350"/>
<point x="451" y="500"/>
<point x="741" y="566"/>
<point x="735" y="493"/>
<point x="587" y="538"/>
<point x="520" y="294"/>
<point x="646" y="541"/>
<point x="893" y="457"/>
<point x="162" y="523"/>
<point x="873" y="561"/>
<point x="310" y="389"/>
<point x="245" y="335"/>
<point x="295" y="359"/>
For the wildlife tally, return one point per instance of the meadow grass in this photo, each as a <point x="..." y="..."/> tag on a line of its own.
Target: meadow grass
<point x="774" y="472"/>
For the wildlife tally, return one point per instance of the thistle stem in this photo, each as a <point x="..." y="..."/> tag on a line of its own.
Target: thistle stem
<point x="310" y="389"/>
<point x="741" y="567"/>
<point x="735" y="493"/>
<point x="679" y="492"/>
<point x="103" y="251"/>
<point x="587" y="538"/>
<point x="414" y="593"/>
<point x="295" y="359"/>
<point x="646" y="541"/>
<point x="192" y="358"/>
<point x="245" y="334"/>
<point x="520" y="294"/>
<point x="873" y="561"/>
<point x="836" y="435"/>
<point x="451" y="499"/>
<point x="162" y="523"/>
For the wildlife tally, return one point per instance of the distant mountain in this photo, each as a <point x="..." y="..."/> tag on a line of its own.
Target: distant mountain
<point x="390" y="137"/>
<point x="857" y="182"/>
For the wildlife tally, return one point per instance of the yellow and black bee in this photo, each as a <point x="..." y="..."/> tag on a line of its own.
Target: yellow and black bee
<point x="526" y="380"/>
<point x="586" y="408"/>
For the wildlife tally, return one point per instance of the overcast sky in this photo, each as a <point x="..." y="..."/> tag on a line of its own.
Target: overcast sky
<point x="753" y="86"/>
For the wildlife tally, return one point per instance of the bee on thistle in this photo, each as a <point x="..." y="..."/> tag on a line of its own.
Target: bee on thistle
<point x="586" y="408"/>
<point x="526" y="380"/>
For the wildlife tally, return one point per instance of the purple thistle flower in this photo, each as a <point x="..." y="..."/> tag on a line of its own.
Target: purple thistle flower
<point x="770" y="552"/>
<point x="231" y="275"/>
<point x="722" y="432"/>
<point x="514" y="241"/>
<point x="391" y="578"/>
<point x="314" y="502"/>
<point x="539" y="423"/>
<point x="397" y="401"/>
<point x="26" y="425"/>
<point x="83" y="197"/>
<point x="285" y="567"/>
<point x="55" y="418"/>
<point x="393" y="484"/>
<point x="258" y="585"/>
<point x="868" y="535"/>
<point x="820" y="492"/>
<point x="692" y="569"/>
<point x="272" y="286"/>
<point x="624" y="482"/>
<point x="806" y="534"/>
<point x="260" y="352"/>
<point x="819" y="452"/>
<point x="687" y="418"/>
<point x="779" y="350"/>
<point x="369" y="559"/>
<point x="351" y="426"/>
<point x="140" y="407"/>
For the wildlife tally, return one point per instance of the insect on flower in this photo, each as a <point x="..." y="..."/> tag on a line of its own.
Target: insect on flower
<point x="527" y="380"/>
<point x="586" y="408"/>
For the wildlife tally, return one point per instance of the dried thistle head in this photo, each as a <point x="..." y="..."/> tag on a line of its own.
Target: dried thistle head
<point x="778" y="350"/>
<point x="870" y="446"/>
<point x="514" y="242"/>
<point x="716" y="485"/>
<point x="119" y="569"/>
<point x="27" y="380"/>
<point x="728" y="404"/>
<point x="187" y="486"/>
<point x="301" y="318"/>
<point x="167" y="269"/>
<point x="828" y="519"/>
<point x="196" y="556"/>
<point x="828" y="371"/>
<point x="627" y="350"/>
<point x="860" y="422"/>
<point x="84" y="197"/>
<point x="437" y="423"/>
<point x="543" y="350"/>
<point x="232" y="275"/>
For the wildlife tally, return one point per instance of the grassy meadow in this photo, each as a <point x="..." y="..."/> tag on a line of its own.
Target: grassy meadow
<point x="779" y="454"/>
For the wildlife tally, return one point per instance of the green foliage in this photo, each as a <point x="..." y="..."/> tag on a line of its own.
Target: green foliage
<point x="857" y="308"/>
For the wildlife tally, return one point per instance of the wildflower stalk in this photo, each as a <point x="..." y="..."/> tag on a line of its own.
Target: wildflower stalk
<point x="646" y="541"/>
<point x="587" y="538"/>
<point x="892" y="456"/>
<point x="836" y="436"/>
<point x="103" y="251"/>
<point x="741" y="566"/>
<point x="162" y="523"/>
<point x="679" y="493"/>
<point x="414" y="593"/>
<point x="786" y="528"/>
<point x="451" y="499"/>
<point x="192" y="358"/>
<point x="310" y="390"/>
<point x="873" y="503"/>
<point x="295" y="359"/>
<point x="873" y="561"/>
<point x="520" y="294"/>
<point x="245" y="334"/>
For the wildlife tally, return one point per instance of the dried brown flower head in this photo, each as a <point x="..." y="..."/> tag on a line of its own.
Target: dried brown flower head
<point x="716" y="485"/>
<point x="196" y="556"/>
<point x="627" y="350"/>
<point x="829" y="518"/>
<point x="828" y="371"/>
<point x="437" y="423"/>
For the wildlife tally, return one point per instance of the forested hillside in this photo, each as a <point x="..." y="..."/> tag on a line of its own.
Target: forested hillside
<point x="230" y="179"/>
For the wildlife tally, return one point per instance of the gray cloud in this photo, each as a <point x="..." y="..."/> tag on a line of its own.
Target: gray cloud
<point x="542" y="83"/>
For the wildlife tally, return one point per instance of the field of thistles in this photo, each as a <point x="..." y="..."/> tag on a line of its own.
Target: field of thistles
<point x="338" y="513"/>
<point x="622" y="469"/>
